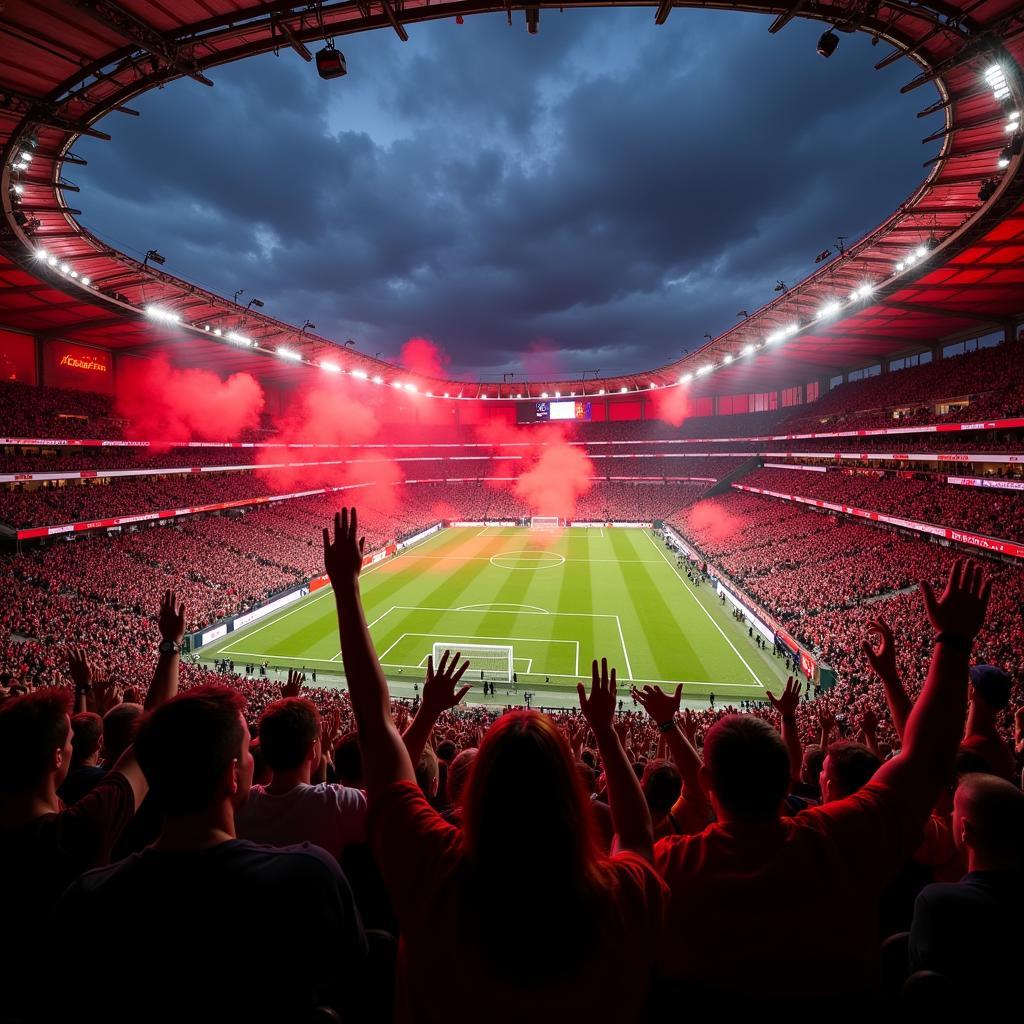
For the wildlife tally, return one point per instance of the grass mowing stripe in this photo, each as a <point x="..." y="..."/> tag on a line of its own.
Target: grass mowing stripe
<point x="700" y="604"/>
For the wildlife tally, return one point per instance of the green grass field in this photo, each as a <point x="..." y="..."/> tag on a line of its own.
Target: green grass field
<point x="558" y="598"/>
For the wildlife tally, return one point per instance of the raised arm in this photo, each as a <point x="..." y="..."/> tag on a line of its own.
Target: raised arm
<point x="935" y="725"/>
<point x="882" y="660"/>
<point x="662" y="709"/>
<point x="385" y="759"/>
<point x="786" y="706"/>
<point x="439" y="695"/>
<point x="630" y="815"/>
<point x="171" y="621"/>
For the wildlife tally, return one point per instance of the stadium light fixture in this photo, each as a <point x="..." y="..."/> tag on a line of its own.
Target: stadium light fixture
<point x="543" y="394"/>
<point x="378" y="380"/>
<point x="161" y="315"/>
<point x="239" y="339"/>
<point x="51" y="261"/>
<point x="410" y="386"/>
<point x="330" y="62"/>
<point x="830" y="309"/>
<point x="217" y="331"/>
<point x="64" y="268"/>
<point x="41" y="254"/>
<point x="86" y="281"/>
<point x="827" y="44"/>
<point x="748" y="350"/>
<point x="900" y="266"/>
<point x="361" y="374"/>
<point x="258" y="303"/>
<point x="727" y="359"/>
<point x="446" y="394"/>
<point x="429" y="394"/>
<point x="287" y="353"/>
<point x="1004" y="158"/>
<point x="155" y="257"/>
<point x="622" y="391"/>
<point x="686" y="378"/>
<point x="329" y="366"/>
<point x="18" y="189"/>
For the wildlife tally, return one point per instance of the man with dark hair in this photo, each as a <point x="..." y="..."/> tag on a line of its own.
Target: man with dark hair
<point x="847" y="767"/>
<point x="970" y="931"/>
<point x="196" y="890"/>
<point x="756" y="877"/>
<point x="298" y="805"/>
<point x="86" y="770"/>
<point x="45" y="845"/>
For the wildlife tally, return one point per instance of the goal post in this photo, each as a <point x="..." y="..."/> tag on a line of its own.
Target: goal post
<point x="545" y="522"/>
<point x="494" y="661"/>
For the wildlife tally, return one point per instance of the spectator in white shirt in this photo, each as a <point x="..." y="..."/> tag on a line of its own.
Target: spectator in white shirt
<point x="299" y="805"/>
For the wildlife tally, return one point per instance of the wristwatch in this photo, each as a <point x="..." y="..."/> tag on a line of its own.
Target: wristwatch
<point x="169" y="647"/>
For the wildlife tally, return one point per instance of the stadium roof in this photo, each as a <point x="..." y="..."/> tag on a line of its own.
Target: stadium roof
<point x="948" y="262"/>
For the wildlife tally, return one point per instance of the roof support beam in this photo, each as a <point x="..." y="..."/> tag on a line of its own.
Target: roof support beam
<point x="389" y="11"/>
<point x="136" y="30"/>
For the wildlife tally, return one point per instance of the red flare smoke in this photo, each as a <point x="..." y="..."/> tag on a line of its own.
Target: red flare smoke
<point x="422" y="357"/>
<point x="163" y="403"/>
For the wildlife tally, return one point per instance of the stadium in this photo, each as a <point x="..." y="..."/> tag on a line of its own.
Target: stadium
<point x="798" y="542"/>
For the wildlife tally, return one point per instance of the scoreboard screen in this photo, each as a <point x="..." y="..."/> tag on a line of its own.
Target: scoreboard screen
<point x="542" y="412"/>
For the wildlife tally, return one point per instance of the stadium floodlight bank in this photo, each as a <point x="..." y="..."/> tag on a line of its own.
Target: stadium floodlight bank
<point x="545" y="522"/>
<point x="495" y="662"/>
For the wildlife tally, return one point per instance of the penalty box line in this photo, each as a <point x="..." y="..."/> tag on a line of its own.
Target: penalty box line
<point x="472" y="641"/>
<point x="510" y="611"/>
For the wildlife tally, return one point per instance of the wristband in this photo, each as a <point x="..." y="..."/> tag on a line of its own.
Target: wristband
<point x="955" y="640"/>
<point x="667" y="726"/>
<point x="169" y="647"/>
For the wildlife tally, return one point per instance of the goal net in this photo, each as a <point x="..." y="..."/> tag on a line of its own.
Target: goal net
<point x="495" y="662"/>
<point x="545" y="522"/>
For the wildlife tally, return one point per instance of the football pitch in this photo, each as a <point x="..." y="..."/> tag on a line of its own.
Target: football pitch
<point x="558" y="598"/>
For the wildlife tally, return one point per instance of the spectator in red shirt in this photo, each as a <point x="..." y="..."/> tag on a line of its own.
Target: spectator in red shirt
<point x="744" y="890"/>
<point x="551" y="948"/>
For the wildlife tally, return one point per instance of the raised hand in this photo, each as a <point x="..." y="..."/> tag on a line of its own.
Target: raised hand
<point x="599" y="707"/>
<point x="869" y="722"/>
<point x="961" y="608"/>
<point x="660" y="706"/>
<point x="787" y="704"/>
<point x="294" y="685"/>
<point x="330" y="732"/>
<point x="82" y="670"/>
<point x="107" y="694"/>
<point x="343" y="556"/>
<point x="883" y="657"/>
<point x="439" y="693"/>
<point x="688" y="723"/>
<point x="171" y="618"/>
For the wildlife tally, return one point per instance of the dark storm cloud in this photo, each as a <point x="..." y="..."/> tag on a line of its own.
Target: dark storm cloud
<point x="607" y="190"/>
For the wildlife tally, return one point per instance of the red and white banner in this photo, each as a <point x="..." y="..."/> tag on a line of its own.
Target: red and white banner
<point x="981" y="481"/>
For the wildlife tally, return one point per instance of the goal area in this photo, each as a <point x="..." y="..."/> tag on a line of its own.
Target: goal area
<point x="545" y="522"/>
<point x="494" y="662"/>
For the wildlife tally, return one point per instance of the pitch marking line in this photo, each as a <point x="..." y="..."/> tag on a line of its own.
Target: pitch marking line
<point x="496" y="605"/>
<point x="625" y="653"/>
<point x="300" y="605"/>
<point x="443" y="638"/>
<point x="753" y="674"/>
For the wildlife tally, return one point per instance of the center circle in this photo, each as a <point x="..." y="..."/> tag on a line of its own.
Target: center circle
<point x="552" y="559"/>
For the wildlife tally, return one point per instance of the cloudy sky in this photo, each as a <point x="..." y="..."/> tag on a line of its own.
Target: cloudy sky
<point x="597" y="196"/>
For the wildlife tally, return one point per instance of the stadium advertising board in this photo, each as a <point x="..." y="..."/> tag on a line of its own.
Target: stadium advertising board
<point x="270" y="606"/>
<point x="422" y="535"/>
<point x="744" y="606"/>
<point x="543" y="412"/>
<point x="213" y="634"/>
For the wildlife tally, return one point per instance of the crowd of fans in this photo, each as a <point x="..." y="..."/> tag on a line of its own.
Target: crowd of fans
<point x="437" y="861"/>
<point x="994" y="513"/>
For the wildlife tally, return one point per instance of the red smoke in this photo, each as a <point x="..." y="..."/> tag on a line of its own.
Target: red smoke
<point x="424" y="358"/>
<point x="163" y="403"/>
<point x="672" y="405"/>
<point x="332" y="413"/>
<point x="712" y="520"/>
<point x="550" y="475"/>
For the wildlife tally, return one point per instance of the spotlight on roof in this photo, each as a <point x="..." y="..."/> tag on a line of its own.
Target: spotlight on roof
<point x="237" y="339"/>
<point x="823" y="255"/>
<point x="828" y="310"/>
<point x="308" y="326"/>
<point x="1004" y="158"/>
<point x="330" y="367"/>
<point x="623" y="390"/>
<point x="780" y="286"/>
<point x="748" y="350"/>
<point x="86" y="281"/>
<point x="330" y="62"/>
<point x="287" y="353"/>
<point x="258" y="303"/>
<point x="154" y="257"/>
<point x="161" y="315"/>
<point x="827" y="43"/>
